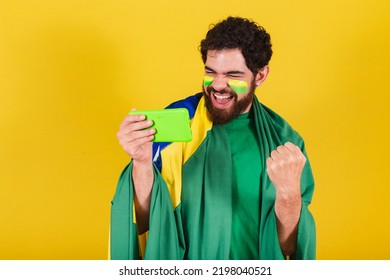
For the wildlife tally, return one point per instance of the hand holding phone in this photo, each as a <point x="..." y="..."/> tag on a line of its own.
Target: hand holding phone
<point x="171" y="125"/>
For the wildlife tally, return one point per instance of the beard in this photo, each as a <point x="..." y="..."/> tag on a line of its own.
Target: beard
<point x="223" y="116"/>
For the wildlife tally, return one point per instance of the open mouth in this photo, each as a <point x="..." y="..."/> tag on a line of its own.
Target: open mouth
<point x="222" y="99"/>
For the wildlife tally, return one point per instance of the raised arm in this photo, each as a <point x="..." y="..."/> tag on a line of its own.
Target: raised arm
<point x="284" y="168"/>
<point x="136" y="141"/>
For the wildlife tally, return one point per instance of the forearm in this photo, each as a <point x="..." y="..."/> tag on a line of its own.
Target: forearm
<point x="143" y="181"/>
<point x="287" y="212"/>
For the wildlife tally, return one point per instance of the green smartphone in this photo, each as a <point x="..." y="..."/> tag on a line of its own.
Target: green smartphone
<point x="172" y="125"/>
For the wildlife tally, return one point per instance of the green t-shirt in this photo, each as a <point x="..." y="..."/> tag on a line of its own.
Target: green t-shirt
<point x="245" y="155"/>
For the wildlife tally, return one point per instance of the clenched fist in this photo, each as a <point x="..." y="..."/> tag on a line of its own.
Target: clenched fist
<point x="284" y="168"/>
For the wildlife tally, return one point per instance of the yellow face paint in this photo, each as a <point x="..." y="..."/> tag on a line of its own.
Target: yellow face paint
<point x="238" y="86"/>
<point x="207" y="80"/>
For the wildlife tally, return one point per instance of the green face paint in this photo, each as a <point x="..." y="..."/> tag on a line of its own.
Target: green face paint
<point x="238" y="86"/>
<point x="207" y="80"/>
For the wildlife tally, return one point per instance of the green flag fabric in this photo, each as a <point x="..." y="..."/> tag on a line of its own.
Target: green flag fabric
<point x="191" y="210"/>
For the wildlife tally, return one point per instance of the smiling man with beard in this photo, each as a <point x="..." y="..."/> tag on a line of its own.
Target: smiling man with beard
<point x="222" y="103"/>
<point x="239" y="190"/>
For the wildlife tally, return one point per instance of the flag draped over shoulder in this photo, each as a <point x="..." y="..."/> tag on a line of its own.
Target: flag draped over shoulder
<point x="191" y="201"/>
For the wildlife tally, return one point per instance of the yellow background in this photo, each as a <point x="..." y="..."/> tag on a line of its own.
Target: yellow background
<point x="71" y="70"/>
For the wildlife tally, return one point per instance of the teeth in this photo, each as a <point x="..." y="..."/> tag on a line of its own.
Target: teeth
<point x="221" y="96"/>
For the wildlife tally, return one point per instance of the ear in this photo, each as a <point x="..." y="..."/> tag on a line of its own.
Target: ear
<point x="262" y="75"/>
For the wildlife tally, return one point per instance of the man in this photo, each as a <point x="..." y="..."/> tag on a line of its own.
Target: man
<point x="239" y="190"/>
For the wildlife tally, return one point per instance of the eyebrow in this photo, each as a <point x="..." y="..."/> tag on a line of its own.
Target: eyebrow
<point x="227" y="73"/>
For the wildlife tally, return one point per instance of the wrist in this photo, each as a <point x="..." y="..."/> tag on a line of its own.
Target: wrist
<point x="288" y="196"/>
<point x="288" y="205"/>
<point x="142" y="165"/>
<point x="142" y="177"/>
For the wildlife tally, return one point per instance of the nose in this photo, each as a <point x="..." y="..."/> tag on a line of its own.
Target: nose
<point x="219" y="83"/>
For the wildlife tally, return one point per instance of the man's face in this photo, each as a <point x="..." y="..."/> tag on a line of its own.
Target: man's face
<point x="222" y="102"/>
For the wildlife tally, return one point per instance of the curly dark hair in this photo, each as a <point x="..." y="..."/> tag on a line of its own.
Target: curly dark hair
<point x="244" y="34"/>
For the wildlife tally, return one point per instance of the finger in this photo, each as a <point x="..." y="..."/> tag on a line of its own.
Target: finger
<point x="296" y="153"/>
<point x="142" y="125"/>
<point x="282" y="150"/>
<point x="291" y="147"/>
<point x="127" y="138"/>
<point x="294" y="149"/>
<point x="139" y="134"/>
<point x="269" y="161"/>
<point x="135" y="126"/>
<point x="142" y="140"/>
<point x="275" y="155"/>
<point x="131" y="119"/>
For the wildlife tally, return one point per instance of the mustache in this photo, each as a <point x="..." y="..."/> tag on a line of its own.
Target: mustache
<point x="226" y="90"/>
